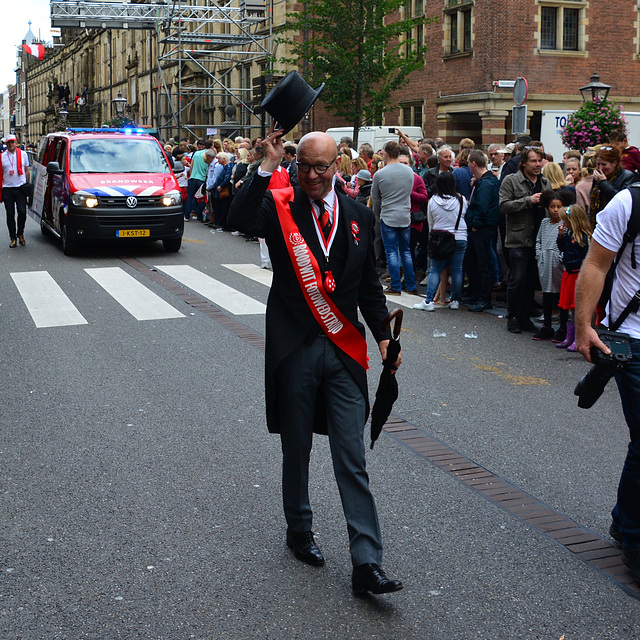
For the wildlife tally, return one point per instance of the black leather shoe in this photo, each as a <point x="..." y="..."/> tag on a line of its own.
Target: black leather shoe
<point x="370" y="577"/>
<point x="304" y="547"/>
<point x="614" y="532"/>
<point x="513" y="325"/>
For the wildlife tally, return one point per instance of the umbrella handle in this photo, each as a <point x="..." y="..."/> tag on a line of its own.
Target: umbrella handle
<point x="397" y="315"/>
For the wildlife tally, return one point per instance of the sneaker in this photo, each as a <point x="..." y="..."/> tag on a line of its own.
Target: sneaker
<point x="424" y="281"/>
<point x="425" y="306"/>
<point x="513" y="325"/>
<point x="414" y="292"/>
<point x="454" y="304"/>
<point x="265" y="265"/>
<point x="544" y="333"/>
<point x="391" y="292"/>
<point x="236" y="233"/>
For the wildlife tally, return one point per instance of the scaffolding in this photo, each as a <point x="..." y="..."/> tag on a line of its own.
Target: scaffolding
<point x="206" y="51"/>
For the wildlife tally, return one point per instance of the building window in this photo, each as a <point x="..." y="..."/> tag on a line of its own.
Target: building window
<point x="458" y="26"/>
<point x="562" y="25"/>
<point x="414" y="36"/>
<point x="411" y="114"/>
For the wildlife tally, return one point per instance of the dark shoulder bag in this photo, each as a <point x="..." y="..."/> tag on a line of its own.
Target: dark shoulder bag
<point x="442" y="244"/>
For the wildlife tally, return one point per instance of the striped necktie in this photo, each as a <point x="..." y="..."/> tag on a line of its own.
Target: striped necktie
<point x="325" y="221"/>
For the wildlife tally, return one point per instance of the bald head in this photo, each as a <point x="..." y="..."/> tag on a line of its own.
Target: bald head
<point x="319" y="140"/>
<point x="317" y="164"/>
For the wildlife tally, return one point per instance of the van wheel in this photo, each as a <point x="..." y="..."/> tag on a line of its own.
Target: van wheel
<point x="69" y="243"/>
<point x="171" y="245"/>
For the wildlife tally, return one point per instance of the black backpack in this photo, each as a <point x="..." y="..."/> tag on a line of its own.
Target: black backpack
<point x="633" y="228"/>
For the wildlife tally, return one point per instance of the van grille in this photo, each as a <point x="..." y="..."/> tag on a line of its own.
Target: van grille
<point x="121" y="201"/>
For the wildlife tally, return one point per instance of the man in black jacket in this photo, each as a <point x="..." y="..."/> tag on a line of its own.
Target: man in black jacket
<point x="321" y="247"/>
<point x="482" y="224"/>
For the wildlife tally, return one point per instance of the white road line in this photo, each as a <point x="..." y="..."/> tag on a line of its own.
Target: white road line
<point x="405" y="300"/>
<point x="264" y="276"/>
<point x="137" y="299"/>
<point x="252" y="271"/>
<point x="46" y="301"/>
<point x="220" y="294"/>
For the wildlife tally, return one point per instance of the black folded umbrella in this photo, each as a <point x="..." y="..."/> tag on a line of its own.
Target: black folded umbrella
<point x="387" y="392"/>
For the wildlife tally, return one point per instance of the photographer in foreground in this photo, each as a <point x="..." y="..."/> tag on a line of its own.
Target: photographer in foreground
<point x="608" y="240"/>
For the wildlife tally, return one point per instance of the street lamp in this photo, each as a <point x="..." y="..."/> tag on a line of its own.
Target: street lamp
<point x="595" y="91"/>
<point x="119" y="103"/>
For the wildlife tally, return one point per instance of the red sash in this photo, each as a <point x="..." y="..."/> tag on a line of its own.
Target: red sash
<point x="338" y="329"/>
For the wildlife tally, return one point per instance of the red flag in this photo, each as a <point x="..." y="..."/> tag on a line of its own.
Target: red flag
<point x="36" y="50"/>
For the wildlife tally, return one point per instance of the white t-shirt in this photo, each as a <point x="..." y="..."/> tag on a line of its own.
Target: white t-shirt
<point x="610" y="228"/>
<point x="10" y="175"/>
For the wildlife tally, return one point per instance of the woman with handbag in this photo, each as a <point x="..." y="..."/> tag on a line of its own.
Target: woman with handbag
<point x="222" y="190"/>
<point x="447" y="239"/>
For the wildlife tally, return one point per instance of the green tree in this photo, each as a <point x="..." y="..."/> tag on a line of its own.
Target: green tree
<point x="358" y="49"/>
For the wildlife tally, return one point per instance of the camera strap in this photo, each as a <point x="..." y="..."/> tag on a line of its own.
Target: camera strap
<point x="633" y="228"/>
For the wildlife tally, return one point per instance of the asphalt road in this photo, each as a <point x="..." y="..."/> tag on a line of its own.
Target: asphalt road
<point x="140" y="490"/>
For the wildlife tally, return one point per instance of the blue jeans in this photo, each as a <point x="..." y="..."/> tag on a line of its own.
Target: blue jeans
<point x="398" y="239"/>
<point x="437" y="267"/>
<point x="626" y="513"/>
<point x="192" y="204"/>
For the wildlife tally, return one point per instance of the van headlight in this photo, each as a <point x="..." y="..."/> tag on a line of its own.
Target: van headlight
<point x="80" y="199"/>
<point x="171" y="198"/>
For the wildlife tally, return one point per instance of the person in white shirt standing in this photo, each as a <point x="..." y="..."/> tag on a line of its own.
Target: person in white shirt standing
<point x="15" y="173"/>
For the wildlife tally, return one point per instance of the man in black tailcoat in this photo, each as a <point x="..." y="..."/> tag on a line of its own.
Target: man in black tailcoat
<point x="321" y="247"/>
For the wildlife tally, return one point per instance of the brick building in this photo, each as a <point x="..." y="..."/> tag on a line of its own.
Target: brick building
<point x="555" y="44"/>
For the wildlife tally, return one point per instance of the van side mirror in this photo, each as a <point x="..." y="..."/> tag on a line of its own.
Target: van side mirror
<point x="54" y="168"/>
<point x="178" y="167"/>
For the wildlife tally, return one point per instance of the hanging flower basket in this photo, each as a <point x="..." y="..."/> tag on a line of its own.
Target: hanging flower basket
<point x="591" y="124"/>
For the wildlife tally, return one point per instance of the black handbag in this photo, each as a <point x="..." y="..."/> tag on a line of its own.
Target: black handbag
<point x="442" y="244"/>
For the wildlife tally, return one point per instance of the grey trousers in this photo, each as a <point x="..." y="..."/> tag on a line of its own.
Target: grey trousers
<point x="311" y="369"/>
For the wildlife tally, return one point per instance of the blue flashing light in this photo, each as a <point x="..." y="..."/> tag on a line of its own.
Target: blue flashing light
<point x="127" y="131"/>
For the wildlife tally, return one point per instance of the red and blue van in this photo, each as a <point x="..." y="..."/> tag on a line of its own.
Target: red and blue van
<point x="97" y="184"/>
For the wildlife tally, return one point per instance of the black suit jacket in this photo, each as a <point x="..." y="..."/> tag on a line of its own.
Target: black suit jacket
<point x="289" y="321"/>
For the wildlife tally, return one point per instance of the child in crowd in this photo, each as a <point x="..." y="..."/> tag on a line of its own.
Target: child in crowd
<point x="550" y="266"/>
<point x="574" y="235"/>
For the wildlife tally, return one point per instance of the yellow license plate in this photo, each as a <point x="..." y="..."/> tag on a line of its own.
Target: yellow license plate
<point x="133" y="233"/>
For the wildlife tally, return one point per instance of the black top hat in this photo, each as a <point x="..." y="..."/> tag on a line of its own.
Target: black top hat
<point x="289" y="100"/>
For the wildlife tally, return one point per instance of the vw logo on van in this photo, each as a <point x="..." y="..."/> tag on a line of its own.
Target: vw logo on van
<point x="132" y="202"/>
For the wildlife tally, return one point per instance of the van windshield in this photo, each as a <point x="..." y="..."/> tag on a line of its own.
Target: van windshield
<point x="117" y="155"/>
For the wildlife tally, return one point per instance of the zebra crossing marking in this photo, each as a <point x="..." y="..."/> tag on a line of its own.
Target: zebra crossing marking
<point x="47" y="303"/>
<point x="136" y="298"/>
<point x="253" y="272"/>
<point x="213" y="290"/>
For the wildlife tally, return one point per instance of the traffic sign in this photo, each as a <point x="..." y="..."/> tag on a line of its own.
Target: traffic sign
<point x="520" y="91"/>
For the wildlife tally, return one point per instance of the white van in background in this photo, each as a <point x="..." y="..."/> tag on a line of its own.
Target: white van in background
<point x="554" y="120"/>
<point x="376" y="136"/>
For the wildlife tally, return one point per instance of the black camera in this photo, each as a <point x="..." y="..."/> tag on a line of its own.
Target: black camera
<point x="605" y="366"/>
<point x="392" y="130"/>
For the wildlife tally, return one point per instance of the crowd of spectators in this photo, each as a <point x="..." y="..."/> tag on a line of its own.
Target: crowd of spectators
<point x="509" y="210"/>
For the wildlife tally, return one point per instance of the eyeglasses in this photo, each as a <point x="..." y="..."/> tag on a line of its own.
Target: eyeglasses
<point x="320" y="169"/>
<point x="534" y="148"/>
<point x="606" y="148"/>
